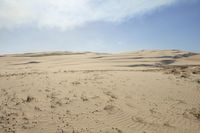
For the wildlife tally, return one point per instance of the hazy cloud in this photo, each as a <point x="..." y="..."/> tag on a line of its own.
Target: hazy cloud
<point x="67" y="14"/>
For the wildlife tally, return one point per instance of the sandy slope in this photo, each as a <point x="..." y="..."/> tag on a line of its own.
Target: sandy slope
<point x="135" y="92"/>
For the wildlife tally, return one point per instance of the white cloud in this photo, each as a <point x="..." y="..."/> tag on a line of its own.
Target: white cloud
<point x="66" y="14"/>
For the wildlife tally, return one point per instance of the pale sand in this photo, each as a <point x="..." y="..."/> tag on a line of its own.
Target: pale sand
<point x="134" y="92"/>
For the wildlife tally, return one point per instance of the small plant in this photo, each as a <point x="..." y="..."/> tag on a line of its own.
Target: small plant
<point x="195" y="113"/>
<point x="29" y="99"/>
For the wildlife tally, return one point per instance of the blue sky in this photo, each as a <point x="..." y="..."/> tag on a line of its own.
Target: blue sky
<point x="99" y="25"/>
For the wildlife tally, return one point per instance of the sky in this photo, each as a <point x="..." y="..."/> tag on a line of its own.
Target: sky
<point x="99" y="25"/>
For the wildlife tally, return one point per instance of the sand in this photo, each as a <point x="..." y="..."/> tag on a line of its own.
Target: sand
<point x="134" y="92"/>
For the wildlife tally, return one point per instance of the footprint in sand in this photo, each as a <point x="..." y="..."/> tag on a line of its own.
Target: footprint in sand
<point x="110" y="108"/>
<point x="108" y="93"/>
<point x="84" y="98"/>
<point x="75" y="83"/>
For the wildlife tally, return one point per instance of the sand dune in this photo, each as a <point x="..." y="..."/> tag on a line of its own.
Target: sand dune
<point x="133" y="92"/>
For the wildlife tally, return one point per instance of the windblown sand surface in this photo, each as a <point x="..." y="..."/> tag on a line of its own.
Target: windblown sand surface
<point x="135" y="92"/>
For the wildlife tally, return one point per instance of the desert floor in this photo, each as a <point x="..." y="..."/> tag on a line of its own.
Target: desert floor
<point x="133" y="92"/>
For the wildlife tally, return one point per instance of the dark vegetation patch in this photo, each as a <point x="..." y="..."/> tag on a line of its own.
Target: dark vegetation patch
<point x="30" y="62"/>
<point x="184" y="55"/>
<point x="176" y="56"/>
<point x="155" y="57"/>
<point x="139" y="65"/>
<point x="98" y="57"/>
<point x="167" y="62"/>
<point x="126" y="58"/>
<point x="160" y="64"/>
<point x="47" y="54"/>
